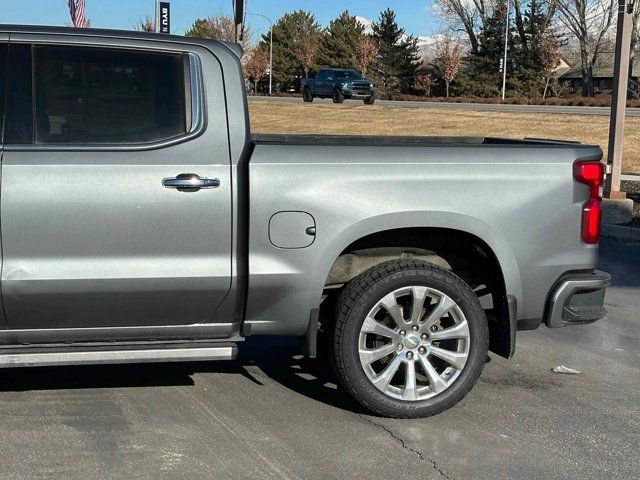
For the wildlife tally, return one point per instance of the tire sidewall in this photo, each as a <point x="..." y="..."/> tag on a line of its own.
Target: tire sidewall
<point x="469" y="305"/>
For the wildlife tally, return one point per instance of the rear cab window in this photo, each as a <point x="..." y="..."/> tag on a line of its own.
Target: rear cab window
<point x="3" y="85"/>
<point x="77" y="95"/>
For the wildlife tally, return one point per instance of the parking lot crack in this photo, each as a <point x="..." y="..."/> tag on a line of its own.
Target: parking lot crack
<point x="404" y="445"/>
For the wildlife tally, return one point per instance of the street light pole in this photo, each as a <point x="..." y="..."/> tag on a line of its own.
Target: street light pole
<point x="270" y="48"/>
<point x="506" y="46"/>
<point x="619" y="100"/>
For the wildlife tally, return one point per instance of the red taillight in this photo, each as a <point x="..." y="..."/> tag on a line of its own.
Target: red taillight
<point x="591" y="215"/>
<point x="592" y="175"/>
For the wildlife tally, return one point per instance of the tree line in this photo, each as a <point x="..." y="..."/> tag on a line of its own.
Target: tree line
<point x="467" y="59"/>
<point x="301" y="47"/>
<point x="540" y="32"/>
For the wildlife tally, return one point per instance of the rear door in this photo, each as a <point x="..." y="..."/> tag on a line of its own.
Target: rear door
<point x="96" y="229"/>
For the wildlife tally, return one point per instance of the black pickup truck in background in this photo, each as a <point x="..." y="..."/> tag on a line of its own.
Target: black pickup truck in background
<point x="338" y="84"/>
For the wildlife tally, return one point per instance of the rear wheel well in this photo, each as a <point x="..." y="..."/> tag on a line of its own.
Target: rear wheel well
<point x="464" y="254"/>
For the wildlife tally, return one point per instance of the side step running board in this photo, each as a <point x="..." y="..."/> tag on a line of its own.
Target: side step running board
<point x="39" y="357"/>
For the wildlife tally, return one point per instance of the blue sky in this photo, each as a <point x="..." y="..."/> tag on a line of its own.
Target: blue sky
<point x="414" y="15"/>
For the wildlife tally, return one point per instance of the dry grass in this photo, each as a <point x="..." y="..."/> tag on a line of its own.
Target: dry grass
<point x="282" y="117"/>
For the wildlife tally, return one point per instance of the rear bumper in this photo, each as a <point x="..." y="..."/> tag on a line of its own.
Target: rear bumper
<point x="577" y="298"/>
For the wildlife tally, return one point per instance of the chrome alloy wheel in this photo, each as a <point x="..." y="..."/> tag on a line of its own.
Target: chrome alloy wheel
<point x="414" y="343"/>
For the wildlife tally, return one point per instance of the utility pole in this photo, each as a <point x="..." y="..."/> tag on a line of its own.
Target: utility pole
<point x="270" y="48"/>
<point x="619" y="100"/>
<point x="506" y="46"/>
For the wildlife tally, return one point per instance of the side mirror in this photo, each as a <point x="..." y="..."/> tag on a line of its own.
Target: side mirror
<point x="330" y="79"/>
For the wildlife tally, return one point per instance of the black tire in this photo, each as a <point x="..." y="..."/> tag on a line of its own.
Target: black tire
<point x="370" y="101"/>
<point x="338" y="96"/>
<point x="306" y="95"/>
<point x="362" y="293"/>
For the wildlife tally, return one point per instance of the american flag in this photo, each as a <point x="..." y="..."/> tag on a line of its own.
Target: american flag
<point x="76" y="9"/>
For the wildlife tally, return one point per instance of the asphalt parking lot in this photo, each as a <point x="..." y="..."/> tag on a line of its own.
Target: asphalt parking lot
<point x="274" y="414"/>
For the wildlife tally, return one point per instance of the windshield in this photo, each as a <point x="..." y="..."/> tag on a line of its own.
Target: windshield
<point x="348" y="74"/>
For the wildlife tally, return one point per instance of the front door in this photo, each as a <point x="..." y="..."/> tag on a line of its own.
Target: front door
<point x="329" y="83"/>
<point x="116" y="197"/>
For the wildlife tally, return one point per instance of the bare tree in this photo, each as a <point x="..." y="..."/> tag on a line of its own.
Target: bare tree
<point x="466" y="16"/>
<point x="255" y="64"/>
<point x="449" y="52"/>
<point x="220" y="27"/>
<point x="306" y="51"/>
<point x="635" y="40"/>
<point x="145" y="25"/>
<point x="424" y="83"/>
<point x="635" y="34"/>
<point x="550" y="58"/>
<point x="367" y="51"/>
<point x="557" y="87"/>
<point x="589" y="22"/>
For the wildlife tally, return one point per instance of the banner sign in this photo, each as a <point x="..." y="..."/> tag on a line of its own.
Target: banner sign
<point x="165" y="17"/>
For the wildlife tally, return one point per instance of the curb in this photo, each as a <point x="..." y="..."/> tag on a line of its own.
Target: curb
<point x="621" y="233"/>
<point x="630" y="178"/>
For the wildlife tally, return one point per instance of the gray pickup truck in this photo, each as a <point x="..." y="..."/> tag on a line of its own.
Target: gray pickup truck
<point x="338" y="84"/>
<point x="141" y="222"/>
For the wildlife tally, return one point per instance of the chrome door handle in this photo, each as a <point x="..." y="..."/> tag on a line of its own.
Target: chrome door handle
<point x="190" y="182"/>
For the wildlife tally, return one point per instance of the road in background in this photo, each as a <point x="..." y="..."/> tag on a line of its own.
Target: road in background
<point x="489" y="107"/>
<point x="274" y="414"/>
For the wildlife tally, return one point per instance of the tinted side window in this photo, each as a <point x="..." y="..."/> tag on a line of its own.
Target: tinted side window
<point x="19" y="111"/>
<point x="3" y="84"/>
<point x="322" y="75"/>
<point x="92" y="95"/>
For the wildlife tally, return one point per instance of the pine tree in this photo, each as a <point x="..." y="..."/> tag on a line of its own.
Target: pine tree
<point x="487" y="63"/>
<point x="340" y="42"/>
<point x="293" y="34"/>
<point x="398" y="57"/>
<point x="535" y="47"/>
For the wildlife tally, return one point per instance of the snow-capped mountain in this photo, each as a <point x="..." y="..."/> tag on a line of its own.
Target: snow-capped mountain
<point x="366" y="23"/>
<point x="426" y="43"/>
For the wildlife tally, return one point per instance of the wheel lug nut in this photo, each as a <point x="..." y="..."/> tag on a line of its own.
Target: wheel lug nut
<point x="422" y="350"/>
<point x="402" y="333"/>
<point x="414" y="328"/>
<point x="424" y="336"/>
<point x="409" y="355"/>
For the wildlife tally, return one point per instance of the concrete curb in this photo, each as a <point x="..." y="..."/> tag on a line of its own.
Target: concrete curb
<point x="621" y="233"/>
<point x="630" y="178"/>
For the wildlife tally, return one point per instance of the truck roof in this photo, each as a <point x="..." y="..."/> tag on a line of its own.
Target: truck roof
<point x="113" y="33"/>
